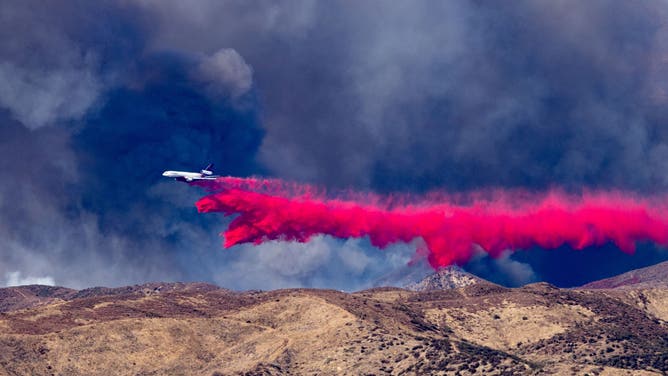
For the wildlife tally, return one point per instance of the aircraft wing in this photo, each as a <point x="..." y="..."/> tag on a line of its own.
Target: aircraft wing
<point x="206" y="178"/>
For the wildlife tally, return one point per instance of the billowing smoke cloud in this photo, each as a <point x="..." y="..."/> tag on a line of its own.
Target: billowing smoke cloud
<point x="89" y="117"/>
<point x="451" y="228"/>
<point x="322" y="262"/>
<point x="504" y="269"/>
<point x="226" y="72"/>
<point x="98" y="98"/>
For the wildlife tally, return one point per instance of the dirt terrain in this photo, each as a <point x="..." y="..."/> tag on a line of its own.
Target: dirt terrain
<point x="200" y="329"/>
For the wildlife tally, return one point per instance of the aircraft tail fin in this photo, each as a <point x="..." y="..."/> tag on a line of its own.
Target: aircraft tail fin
<point x="208" y="170"/>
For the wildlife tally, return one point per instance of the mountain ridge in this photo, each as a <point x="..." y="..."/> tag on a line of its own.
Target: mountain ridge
<point x="203" y="329"/>
<point x="651" y="276"/>
<point x="478" y="329"/>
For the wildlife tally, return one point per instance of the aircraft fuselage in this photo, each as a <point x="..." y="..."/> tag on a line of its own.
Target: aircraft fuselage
<point x="205" y="174"/>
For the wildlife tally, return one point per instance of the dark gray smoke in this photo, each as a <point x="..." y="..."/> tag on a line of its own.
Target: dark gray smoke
<point x="97" y="98"/>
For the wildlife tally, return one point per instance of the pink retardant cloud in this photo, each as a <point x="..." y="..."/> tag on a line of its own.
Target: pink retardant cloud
<point x="448" y="225"/>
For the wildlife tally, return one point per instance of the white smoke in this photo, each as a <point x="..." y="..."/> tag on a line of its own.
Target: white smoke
<point x="37" y="99"/>
<point x="16" y="279"/>
<point x="503" y="269"/>
<point x="323" y="262"/>
<point x="226" y="72"/>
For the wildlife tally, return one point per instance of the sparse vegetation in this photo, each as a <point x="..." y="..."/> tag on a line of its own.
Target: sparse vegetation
<point x="212" y="331"/>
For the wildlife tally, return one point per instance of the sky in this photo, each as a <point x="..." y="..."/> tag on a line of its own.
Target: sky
<point x="98" y="98"/>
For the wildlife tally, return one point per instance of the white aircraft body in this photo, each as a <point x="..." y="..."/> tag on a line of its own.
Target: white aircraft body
<point x="205" y="174"/>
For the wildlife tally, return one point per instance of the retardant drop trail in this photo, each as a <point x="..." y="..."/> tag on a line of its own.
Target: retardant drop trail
<point x="449" y="225"/>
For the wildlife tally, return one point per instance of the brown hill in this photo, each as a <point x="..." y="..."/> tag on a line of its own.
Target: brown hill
<point x="12" y="298"/>
<point x="19" y="297"/>
<point x="651" y="276"/>
<point x="198" y="329"/>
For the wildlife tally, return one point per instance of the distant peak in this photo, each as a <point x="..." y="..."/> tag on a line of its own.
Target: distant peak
<point x="449" y="277"/>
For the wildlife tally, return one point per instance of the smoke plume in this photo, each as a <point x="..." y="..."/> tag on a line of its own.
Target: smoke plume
<point x="446" y="226"/>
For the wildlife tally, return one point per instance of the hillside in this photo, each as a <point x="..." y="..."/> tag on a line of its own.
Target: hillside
<point x="651" y="276"/>
<point x="199" y="329"/>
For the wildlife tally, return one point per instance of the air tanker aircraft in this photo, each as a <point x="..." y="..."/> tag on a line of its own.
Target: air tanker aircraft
<point x="205" y="174"/>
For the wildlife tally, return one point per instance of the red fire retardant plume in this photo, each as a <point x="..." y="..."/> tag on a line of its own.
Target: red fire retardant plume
<point x="448" y="225"/>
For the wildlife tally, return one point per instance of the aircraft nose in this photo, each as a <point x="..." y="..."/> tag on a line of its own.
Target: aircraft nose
<point x="165" y="173"/>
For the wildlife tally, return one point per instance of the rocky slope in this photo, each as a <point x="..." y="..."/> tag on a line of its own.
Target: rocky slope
<point x="450" y="277"/>
<point x="199" y="329"/>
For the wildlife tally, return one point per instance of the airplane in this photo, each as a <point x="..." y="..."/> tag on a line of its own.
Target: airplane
<point x="204" y="174"/>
